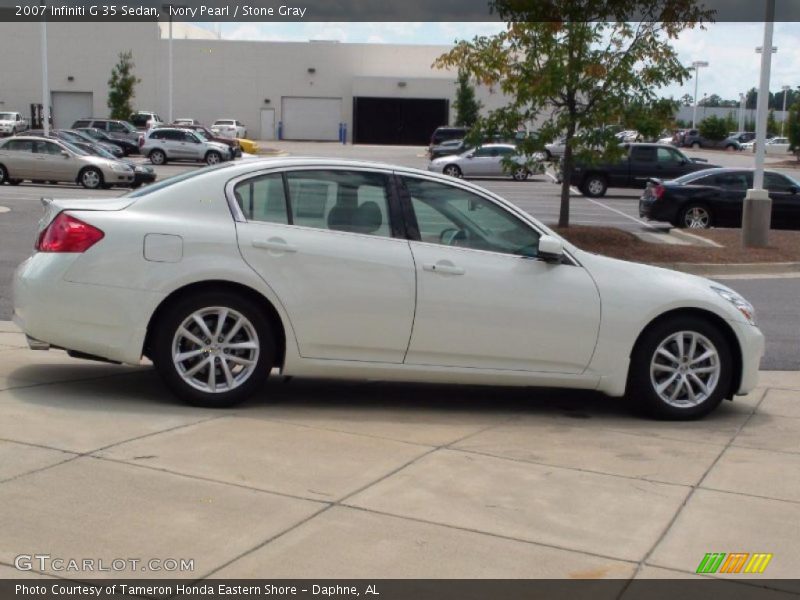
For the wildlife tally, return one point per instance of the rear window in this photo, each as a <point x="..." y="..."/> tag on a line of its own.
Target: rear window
<point x="81" y="123"/>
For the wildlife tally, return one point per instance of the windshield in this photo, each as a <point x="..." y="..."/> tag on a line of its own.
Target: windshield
<point x="201" y="134"/>
<point x="223" y="122"/>
<point x="100" y="151"/>
<point x="8" y="117"/>
<point x="75" y="149"/>
<point x="170" y="181"/>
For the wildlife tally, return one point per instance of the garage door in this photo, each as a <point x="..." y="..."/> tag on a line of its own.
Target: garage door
<point x="68" y="107"/>
<point x="403" y="121"/>
<point x="315" y="119"/>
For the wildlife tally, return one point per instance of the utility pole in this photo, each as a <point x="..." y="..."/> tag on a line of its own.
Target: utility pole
<point x="757" y="203"/>
<point x="785" y="89"/>
<point x="45" y="82"/>
<point x="696" y="66"/>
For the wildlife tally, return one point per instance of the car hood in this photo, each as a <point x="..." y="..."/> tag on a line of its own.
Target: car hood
<point x="448" y="158"/>
<point x="100" y="161"/>
<point x="629" y="286"/>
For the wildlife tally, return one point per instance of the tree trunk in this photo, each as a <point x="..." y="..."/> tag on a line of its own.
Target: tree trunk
<point x="566" y="178"/>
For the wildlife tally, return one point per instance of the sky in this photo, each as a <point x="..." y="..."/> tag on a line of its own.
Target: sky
<point x="728" y="47"/>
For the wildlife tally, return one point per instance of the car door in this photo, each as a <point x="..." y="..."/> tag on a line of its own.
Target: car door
<point x="50" y="162"/>
<point x="19" y="159"/>
<point x="484" y="299"/>
<point x="785" y="197"/>
<point x="191" y="147"/>
<point x="731" y="188"/>
<point x="669" y="163"/>
<point x="478" y="163"/>
<point x="323" y="241"/>
<point x="642" y="165"/>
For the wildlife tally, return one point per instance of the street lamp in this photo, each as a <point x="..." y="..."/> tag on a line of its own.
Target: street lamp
<point x="696" y="65"/>
<point x="742" y="104"/>
<point x="45" y="83"/>
<point x="757" y="211"/>
<point x="168" y="8"/>
<point x="785" y="89"/>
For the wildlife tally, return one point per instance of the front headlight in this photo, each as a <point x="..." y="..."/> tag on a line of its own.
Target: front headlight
<point x="120" y="168"/>
<point x="742" y="305"/>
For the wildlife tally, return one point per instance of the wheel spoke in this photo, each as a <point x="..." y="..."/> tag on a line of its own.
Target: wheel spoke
<point x="201" y="323"/>
<point x="184" y="356"/>
<point x="227" y="372"/>
<point x="222" y="316"/>
<point x="665" y="368"/>
<point x="668" y="355"/>
<point x="239" y="360"/>
<point x="704" y="356"/>
<point x="690" y="390"/>
<point x="665" y="384"/>
<point x="240" y="346"/>
<point x="677" y="388"/>
<point x="190" y="336"/>
<point x="197" y="367"/>
<point x="700" y="383"/>
<point x="679" y="342"/>
<point x="212" y="374"/>
<point x="234" y="330"/>
<point x="692" y="347"/>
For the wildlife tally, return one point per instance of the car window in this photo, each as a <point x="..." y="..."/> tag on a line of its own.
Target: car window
<point x="667" y="156"/>
<point x="643" y="153"/>
<point x="352" y="201"/>
<point x="81" y="123"/>
<point x="117" y="127"/>
<point x="775" y="182"/>
<point x="455" y="217"/>
<point x="157" y="135"/>
<point x="483" y="152"/>
<point x="263" y="199"/>
<point x="505" y="151"/>
<point x="732" y="181"/>
<point x="19" y="146"/>
<point x="46" y="148"/>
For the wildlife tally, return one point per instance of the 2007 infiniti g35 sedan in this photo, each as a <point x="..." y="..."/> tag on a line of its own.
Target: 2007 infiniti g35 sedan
<point x="341" y="269"/>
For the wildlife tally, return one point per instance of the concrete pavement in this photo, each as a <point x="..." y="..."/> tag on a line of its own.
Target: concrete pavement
<point x="374" y="480"/>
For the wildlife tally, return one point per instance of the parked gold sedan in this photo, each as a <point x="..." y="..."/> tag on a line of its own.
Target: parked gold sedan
<point x="52" y="160"/>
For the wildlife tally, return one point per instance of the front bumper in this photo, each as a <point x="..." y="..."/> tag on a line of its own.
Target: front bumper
<point x="751" y="343"/>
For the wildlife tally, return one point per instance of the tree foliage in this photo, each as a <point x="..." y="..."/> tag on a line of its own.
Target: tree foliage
<point x="467" y="107"/>
<point x="121" y="87"/>
<point x="793" y="129"/>
<point x="575" y="65"/>
<point x="650" y="118"/>
<point x="713" y="128"/>
<point x="772" y="124"/>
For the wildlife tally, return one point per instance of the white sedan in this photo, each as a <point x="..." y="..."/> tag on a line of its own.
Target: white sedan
<point x="343" y="269"/>
<point x="230" y="128"/>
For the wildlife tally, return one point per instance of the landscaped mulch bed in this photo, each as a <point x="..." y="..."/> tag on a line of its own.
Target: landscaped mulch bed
<point x="784" y="246"/>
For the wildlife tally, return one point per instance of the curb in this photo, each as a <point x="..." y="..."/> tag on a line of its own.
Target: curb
<point x="712" y="269"/>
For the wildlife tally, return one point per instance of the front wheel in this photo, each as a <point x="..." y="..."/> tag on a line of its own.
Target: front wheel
<point x="452" y="171"/>
<point x="695" y="145"/>
<point x="213" y="157"/>
<point x="214" y="349"/>
<point x="681" y="369"/>
<point x="91" y="179"/>
<point x="3" y="175"/>
<point x="695" y="216"/>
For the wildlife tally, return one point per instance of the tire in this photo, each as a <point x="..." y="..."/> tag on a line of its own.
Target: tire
<point x="157" y="157"/>
<point x="548" y="155"/>
<point x="197" y="388"/>
<point x="213" y="157"/>
<point x="730" y="148"/>
<point x="695" y="145"/>
<point x="520" y="174"/>
<point x="453" y="171"/>
<point x="695" y="216"/>
<point x="658" y="384"/>
<point x="91" y="178"/>
<point x="3" y="175"/>
<point x="14" y="181"/>
<point x="594" y="186"/>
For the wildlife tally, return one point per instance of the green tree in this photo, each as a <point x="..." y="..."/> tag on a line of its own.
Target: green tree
<point x="573" y="66"/>
<point x="467" y="107"/>
<point x="121" y="87"/>
<point x="650" y="118"/>
<point x="793" y="129"/>
<point x="713" y="128"/>
<point x="731" y="121"/>
<point x="772" y="124"/>
<point x="687" y="100"/>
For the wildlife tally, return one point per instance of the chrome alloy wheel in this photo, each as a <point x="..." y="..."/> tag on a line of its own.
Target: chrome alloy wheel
<point x="215" y="349"/>
<point x="697" y="217"/>
<point x="595" y="187"/>
<point x="91" y="179"/>
<point x="685" y="369"/>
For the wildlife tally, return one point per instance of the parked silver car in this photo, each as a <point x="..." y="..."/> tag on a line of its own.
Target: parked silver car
<point x="486" y="161"/>
<point x="173" y="143"/>
<point x="49" y="159"/>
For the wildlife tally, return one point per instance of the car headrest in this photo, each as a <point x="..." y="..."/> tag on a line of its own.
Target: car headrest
<point x="367" y="218"/>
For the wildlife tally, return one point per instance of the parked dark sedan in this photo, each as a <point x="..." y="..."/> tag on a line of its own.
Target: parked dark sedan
<point x="142" y="174"/>
<point x="68" y="135"/>
<point x="127" y="146"/>
<point x="715" y="198"/>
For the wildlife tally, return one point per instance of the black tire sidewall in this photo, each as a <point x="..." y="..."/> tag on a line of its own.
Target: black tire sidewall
<point x="640" y="389"/>
<point x="213" y="153"/>
<point x="457" y="170"/>
<point x="3" y="175"/>
<point x="171" y="319"/>
<point x="158" y="152"/>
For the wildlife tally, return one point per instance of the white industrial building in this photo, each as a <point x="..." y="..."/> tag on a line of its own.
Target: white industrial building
<point x="382" y="93"/>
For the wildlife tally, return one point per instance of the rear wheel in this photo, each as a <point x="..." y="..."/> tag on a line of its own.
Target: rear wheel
<point x="213" y="349"/>
<point x="157" y="157"/>
<point x="14" y="181"/>
<point x="91" y="178"/>
<point x="695" y="216"/>
<point x="520" y="174"/>
<point x="695" y="145"/>
<point x="452" y="171"/>
<point x="594" y="186"/>
<point x="3" y="175"/>
<point x="681" y="369"/>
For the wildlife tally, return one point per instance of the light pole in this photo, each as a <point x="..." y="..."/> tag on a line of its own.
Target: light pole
<point x="45" y="83"/>
<point x="785" y="89"/>
<point x="696" y="66"/>
<point x="169" y="107"/>
<point x="757" y="203"/>
<point x="742" y="101"/>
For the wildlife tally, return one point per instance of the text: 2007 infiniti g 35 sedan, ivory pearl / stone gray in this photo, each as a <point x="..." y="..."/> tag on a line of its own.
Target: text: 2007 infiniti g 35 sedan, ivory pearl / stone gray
<point x="341" y="269"/>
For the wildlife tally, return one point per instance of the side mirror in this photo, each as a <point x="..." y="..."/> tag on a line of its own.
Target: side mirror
<point x="65" y="154"/>
<point x="793" y="189"/>
<point x="551" y="249"/>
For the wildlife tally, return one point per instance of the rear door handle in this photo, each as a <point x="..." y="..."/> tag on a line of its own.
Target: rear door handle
<point x="445" y="267"/>
<point x="275" y="244"/>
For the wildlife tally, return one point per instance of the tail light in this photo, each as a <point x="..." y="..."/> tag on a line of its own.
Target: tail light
<point x="658" y="191"/>
<point x="141" y="140"/>
<point x="68" y="234"/>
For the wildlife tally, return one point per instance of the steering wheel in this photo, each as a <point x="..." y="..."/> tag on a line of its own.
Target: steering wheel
<point x="452" y="236"/>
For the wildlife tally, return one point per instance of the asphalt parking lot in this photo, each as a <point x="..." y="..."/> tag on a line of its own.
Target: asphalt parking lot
<point x="369" y="480"/>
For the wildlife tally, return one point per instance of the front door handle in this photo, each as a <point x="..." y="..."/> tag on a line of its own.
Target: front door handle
<point x="274" y="243"/>
<point x="445" y="267"/>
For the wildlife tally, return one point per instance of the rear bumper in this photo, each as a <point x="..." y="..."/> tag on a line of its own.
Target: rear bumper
<point x="657" y="210"/>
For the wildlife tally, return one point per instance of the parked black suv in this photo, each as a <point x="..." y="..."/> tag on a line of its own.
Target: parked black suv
<point x="442" y="134"/>
<point x="640" y="163"/>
